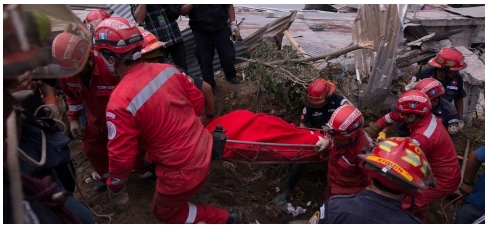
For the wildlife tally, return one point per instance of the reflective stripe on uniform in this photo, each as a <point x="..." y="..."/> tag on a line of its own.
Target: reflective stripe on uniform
<point x="388" y="118"/>
<point x="149" y="90"/>
<point x="431" y="128"/>
<point x="117" y="181"/>
<point x="192" y="213"/>
<point x="75" y="107"/>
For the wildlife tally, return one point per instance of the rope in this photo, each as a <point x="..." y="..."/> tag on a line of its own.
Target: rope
<point x="84" y="200"/>
<point x="456" y="200"/>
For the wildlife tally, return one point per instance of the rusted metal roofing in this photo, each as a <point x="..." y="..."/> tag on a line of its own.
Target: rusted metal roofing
<point x="473" y="12"/>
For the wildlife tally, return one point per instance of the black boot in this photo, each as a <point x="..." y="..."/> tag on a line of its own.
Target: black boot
<point x="100" y="187"/>
<point x="235" y="217"/>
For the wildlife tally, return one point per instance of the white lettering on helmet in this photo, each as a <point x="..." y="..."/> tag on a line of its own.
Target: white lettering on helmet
<point x="117" y="25"/>
<point x="412" y="98"/>
<point x="350" y="119"/>
<point x="73" y="41"/>
<point x="429" y="86"/>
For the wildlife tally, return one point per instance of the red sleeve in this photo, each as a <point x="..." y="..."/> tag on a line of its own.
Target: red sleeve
<point x="74" y="106"/>
<point x="194" y="95"/>
<point x="122" y="146"/>
<point x="388" y="119"/>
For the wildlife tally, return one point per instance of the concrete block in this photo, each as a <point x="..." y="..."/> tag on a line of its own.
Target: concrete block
<point x="268" y="13"/>
<point x="300" y="15"/>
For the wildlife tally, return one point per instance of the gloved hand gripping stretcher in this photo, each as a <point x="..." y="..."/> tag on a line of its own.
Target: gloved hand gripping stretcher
<point x="243" y="136"/>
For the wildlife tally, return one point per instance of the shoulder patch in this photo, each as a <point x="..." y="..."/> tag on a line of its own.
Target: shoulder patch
<point x="112" y="130"/>
<point x="110" y="115"/>
<point x="190" y="79"/>
<point x="453" y="128"/>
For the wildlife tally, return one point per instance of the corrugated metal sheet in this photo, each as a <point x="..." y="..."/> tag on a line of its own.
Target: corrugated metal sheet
<point x="473" y="12"/>
<point x="415" y="7"/>
<point x="270" y="29"/>
<point x="383" y="25"/>
<point x="123" y="11"/>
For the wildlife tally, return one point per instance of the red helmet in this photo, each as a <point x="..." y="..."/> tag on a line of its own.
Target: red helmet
<point x="413" y="101"/>
<point x="345" y="122"/>
<point x="150" y="42"/>
<point x="398" y="164"/>
<point x="96" y="15"/>
<point x="69" y="52"/>
<point x="448" y="57"/>
<point x="119" y="36"/>
<point x="431" y="87"/>
<point x="318" y="91"/>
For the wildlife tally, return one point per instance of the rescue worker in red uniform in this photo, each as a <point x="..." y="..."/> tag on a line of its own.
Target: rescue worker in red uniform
<point x="151" y="53"/>
<point x="345" y="139"/>
<point x="155" y="106"/>
<point x="441" y="108"/>
<point x="381" y="202"/>
<point x="446" y="66"/>
<point x="320" y="102"/>
<point x="89" y="90"/>
<point x="426" y="132"/>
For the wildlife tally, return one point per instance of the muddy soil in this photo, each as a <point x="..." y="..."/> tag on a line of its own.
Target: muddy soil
<point x="249" y="188"/>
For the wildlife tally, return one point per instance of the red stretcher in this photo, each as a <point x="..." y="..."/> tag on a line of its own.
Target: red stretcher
<point x="263" y="139"/>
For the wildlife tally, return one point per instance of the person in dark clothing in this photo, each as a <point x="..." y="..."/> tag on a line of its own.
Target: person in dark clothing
<point x="392" y="177"/>
<point x="156" y="20"/>
<point x="446" y="66"/>
<point x="210" y="28"/>
<point x="472" y="206"/>
<point x="320" y="103"/>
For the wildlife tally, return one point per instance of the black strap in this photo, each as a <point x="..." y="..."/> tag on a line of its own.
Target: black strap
<point x="129" y="41"/>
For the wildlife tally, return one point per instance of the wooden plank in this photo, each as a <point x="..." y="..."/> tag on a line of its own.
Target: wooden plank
<point x="295" y="44"/>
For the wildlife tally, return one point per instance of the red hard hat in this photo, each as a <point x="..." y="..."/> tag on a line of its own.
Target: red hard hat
<point x="345" y="122"/>
<point x="69" y="51"/>
<point x="119" y="36"/>
<point x="96" y="15"/>
<point x="431" y="87"/>
<point x="318" y="91"/>
<point x="448" y="57"/>
<point x="413" y="101"/>
<point x="150" y="42"/>
<point x="398" y="164"/>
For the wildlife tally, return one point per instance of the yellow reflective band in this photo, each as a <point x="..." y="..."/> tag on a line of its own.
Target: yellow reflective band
<point x="395" y="167"/>
<point x="412" y="158"/>
<point x="423" y="171"/>
<point x="386" y="145"/>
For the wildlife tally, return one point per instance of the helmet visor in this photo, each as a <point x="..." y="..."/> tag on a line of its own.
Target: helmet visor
<point x="29" y="32"/>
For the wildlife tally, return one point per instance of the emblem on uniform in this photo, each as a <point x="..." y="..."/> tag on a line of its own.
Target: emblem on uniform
<point x="453" y="128"/>
<point x="190" y="79"/>
<point x="454" y="82"/>
<point x="315" y="218"/>
<point x="304" y="110"/>
<point x="112" y="131"/>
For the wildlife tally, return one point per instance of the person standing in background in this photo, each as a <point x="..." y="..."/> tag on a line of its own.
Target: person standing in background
<point x="156" y="19"/>
<point x="210" y="27"/>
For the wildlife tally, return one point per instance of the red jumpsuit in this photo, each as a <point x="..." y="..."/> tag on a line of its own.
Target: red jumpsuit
<point x="344" y="175"/>
<point x="94" y="99"/>
<point x="155" y="107"/>
<point x="429" y="134"/>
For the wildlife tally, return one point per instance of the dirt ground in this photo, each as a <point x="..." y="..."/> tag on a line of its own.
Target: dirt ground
<point x="249" y="188"/>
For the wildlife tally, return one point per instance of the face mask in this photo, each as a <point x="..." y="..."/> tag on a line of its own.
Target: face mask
<point x="100" y="61"/>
